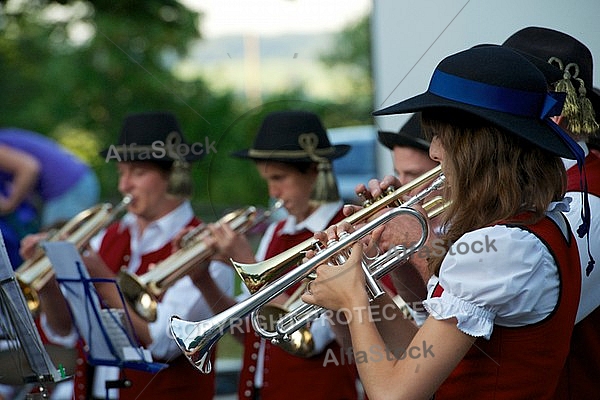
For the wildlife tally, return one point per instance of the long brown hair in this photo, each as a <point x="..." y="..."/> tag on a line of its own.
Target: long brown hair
<point x="492" y="175"/>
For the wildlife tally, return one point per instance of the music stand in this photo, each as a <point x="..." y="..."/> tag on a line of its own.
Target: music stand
<point x="107" y="332"/>
<point x="20" y="328"/>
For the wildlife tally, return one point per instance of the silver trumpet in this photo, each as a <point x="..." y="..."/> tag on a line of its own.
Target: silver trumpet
<point x="196" y="339"/>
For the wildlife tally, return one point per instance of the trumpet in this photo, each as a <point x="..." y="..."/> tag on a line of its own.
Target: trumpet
<point x="196" y="339"/>
<point x="255" y="276"/>
<point x="34" y="273"/>
<point x="300" y="343"/>
<point x="142" y="292"/>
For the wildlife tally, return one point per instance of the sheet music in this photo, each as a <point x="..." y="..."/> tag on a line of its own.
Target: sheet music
<point x="107" y="332"/>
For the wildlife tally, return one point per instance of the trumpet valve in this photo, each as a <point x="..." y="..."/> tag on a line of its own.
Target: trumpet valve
<point x="365" y="198"/>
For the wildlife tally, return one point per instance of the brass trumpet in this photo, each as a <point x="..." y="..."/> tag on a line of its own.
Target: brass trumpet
<point x="34" y="273"/>
<point x="255" y="276"/>
<point x="285" y="328"/>
<point x="196" y="339"/>
<point x="142" y="292"/>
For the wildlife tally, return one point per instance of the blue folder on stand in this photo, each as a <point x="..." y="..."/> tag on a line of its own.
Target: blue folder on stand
<point x="107" y="332"/>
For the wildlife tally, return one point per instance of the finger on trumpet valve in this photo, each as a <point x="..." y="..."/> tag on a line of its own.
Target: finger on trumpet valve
<point x="384" y="193"/>
<point x="365" y="198"/>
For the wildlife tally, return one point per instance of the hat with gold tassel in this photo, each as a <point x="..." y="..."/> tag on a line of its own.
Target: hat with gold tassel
<point x="574" y="59"/>
<point x="298" y="137"/>
<point x="156" y="137"/>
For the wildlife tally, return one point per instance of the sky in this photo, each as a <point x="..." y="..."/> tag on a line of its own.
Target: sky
<point x="273" y="17"/>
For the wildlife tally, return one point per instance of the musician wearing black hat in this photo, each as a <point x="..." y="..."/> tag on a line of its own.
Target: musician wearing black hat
<point x="579" y="119"/>
<point x="501" y="315"/>
<point x="410" y="150"/>
<point x="293" y="154"/>
<point x="410" y="157"/>
<point x="156" y="174"/>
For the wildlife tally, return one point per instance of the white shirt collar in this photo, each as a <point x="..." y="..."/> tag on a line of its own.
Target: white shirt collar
<point x="317" y="221"/>
<point x="157" y="233"/>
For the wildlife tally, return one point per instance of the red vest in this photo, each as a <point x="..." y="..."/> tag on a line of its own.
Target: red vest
<point x="592" y="172"/>
<point x="286" y="376"/>
<point x="523" y="362"/>
<point x="180" y="380"/>
<point x="581" y="374"/>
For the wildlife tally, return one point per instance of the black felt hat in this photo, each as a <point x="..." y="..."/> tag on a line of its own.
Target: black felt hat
<point x="298" y="136"/>
<point x="292" y="136"/>
<point x="151" y="136"/>
<point x="571" y="57"/>
<point x="156" y="137"/>
<point x="500" y="86"/>
<point x="410" y="135"/>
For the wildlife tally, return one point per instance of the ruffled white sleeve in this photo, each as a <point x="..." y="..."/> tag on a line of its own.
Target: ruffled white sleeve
<point x="495" y="275"/>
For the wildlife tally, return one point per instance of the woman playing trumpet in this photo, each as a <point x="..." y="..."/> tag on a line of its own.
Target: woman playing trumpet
<point x="500" y="319"/>
<point x="159" y="210"/>
<point x="289" y="150"/>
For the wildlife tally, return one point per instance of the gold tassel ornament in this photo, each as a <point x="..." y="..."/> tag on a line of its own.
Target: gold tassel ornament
<point x="578" y="108"/>
<point x="571" y="106"/>
<point x="325" y="189"/>
<point x="588" y="116"/>
<point x="180" y="178"/>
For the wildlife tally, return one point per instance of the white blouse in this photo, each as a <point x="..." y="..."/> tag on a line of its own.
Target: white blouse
<point x="497" y="275"/>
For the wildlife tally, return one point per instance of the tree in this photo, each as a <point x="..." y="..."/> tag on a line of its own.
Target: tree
<point x="352" y="50"/>
<point x="74" y="70"/>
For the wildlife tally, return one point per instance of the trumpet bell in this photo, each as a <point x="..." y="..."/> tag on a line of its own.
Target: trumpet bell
<point x="195" y="341"/>
<point x="299" y="343"/>
<point x="137" y="295"/>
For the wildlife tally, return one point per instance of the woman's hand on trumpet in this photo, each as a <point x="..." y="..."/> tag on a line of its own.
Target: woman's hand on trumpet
<point x="29" y="244"/>
<point x="338" y="287"/>
<point x="230" y="244"/>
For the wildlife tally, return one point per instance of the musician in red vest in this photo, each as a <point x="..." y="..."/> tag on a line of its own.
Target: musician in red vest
<point x="505" y="290"/>
<point x="579" y="119"/>
<point x="293" y="154"/>
<point x="154" y="171"/>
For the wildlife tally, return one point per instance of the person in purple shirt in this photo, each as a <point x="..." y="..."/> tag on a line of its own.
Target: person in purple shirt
<point x="35" y="170"/>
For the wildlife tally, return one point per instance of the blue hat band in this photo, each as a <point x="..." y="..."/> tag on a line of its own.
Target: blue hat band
<point x="512" y="101"/>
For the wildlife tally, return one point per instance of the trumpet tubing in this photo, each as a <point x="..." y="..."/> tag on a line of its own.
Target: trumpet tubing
<point x="255" y="276"/>
<point x="436" y="206"/>
<point x="285" y="328"/>
<point x="142" y="292"/>
<point x="196" y="339"/>
<point x="34" y="273"/>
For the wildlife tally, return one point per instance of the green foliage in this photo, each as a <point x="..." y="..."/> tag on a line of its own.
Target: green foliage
<point x="78" y="87"/>
<point x="352" y="49"/>
<point x="74" y="69"/>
